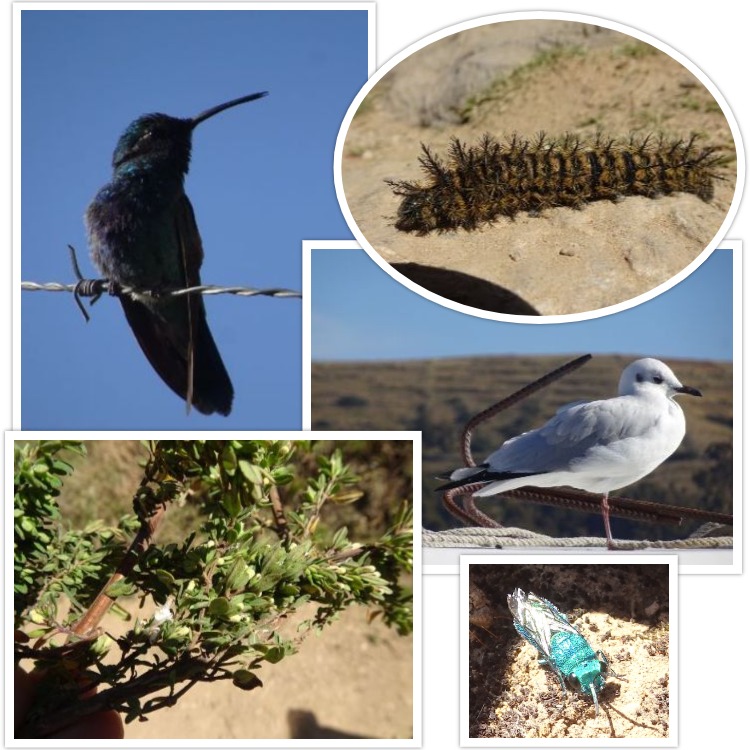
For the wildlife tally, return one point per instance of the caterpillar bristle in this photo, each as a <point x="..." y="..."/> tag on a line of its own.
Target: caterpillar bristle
<point x="478" y="184"/>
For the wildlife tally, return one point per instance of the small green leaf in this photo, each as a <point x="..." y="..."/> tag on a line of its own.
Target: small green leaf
<point x="231" y="503"/>
<point x="229" y="459"/>
<point x="239" y="575"/>
<point x="345" y="497"/>
<point x="121" y="588"/>
<point x="251" y="472"/>
<point x="282" y="475"/>
<point x="275" y="654"/>
<point x="246" y="680"/>
<point x="165" y="577"/>
<point x="219" y="607"/>
<point x="37" y="617"/>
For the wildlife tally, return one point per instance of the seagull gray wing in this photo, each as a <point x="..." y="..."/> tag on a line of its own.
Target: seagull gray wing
<point x="567" y="438"/>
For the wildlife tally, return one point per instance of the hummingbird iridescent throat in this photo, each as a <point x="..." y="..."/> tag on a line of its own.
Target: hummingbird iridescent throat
<point x="142" y="234"/>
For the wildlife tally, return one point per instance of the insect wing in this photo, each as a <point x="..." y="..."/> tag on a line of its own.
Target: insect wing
<point x="537" y="620"/>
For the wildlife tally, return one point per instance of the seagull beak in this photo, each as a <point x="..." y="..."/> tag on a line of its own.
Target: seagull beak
<point x="689" y="390"/>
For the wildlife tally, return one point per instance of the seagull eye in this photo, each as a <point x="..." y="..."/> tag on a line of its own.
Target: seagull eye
<point x="639" y="378"/>
<point x="658" y="379"/>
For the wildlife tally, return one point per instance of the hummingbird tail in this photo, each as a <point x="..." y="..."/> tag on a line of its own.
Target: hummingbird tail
<point x="166" y="345"/>
<point x="212" y="388"/>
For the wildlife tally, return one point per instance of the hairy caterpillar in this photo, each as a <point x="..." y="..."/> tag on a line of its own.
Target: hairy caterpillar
<point x="479" y="183"/>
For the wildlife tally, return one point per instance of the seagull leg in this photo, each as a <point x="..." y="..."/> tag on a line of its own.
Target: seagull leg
<point x="605" y="516"/>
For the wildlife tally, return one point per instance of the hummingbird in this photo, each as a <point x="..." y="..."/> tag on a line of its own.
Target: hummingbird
<point x="142" y="234"/>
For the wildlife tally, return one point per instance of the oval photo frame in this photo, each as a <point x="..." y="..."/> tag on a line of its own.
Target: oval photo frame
<point x="443" y="278"/>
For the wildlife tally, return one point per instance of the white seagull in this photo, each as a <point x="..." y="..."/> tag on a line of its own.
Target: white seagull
<point x="597" y="446"/>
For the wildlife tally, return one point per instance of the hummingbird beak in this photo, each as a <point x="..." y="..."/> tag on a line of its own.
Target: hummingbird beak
<point x="221" y="107"/>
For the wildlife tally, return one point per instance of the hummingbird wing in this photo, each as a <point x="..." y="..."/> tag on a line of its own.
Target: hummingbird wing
<point x="173" y="333"/>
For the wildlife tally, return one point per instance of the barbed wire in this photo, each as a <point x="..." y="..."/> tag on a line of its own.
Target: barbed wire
<point x="103" y="287"/>
<point x="95" y="288"/>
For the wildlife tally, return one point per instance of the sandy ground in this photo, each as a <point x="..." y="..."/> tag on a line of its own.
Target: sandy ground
<point x="354" y="680"/>
<point x="621" y="609"/>
<point x="587" y="80"/>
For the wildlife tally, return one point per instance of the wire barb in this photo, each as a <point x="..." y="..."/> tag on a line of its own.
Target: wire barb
<point x="82" y="285"/>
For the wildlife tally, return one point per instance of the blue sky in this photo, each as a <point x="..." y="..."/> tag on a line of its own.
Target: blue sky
<point x="360" y="313"/>
<point x="261" y="181"/>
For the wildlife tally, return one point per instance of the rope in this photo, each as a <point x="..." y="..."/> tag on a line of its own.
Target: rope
<point x="507" y="537"/>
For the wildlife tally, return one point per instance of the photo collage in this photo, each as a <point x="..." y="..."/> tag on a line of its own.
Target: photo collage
<point x="395" y="368"/>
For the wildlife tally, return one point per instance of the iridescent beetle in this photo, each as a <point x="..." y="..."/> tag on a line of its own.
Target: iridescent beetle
<point x="560" y="645"/>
